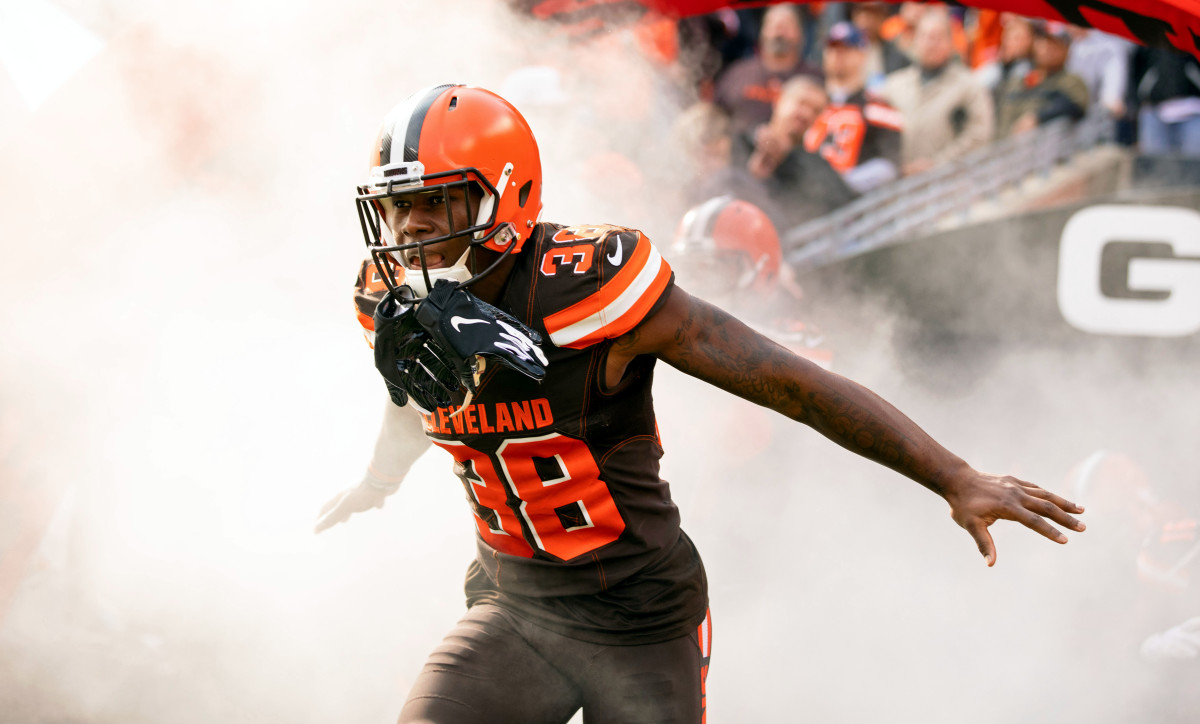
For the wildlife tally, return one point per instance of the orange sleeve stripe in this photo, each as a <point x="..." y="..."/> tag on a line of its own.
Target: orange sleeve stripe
<point x="631" y="318"/>
<point x="605" y="296"/>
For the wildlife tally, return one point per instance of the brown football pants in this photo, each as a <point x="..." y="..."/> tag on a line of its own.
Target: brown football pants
<point x="496" y="667"/>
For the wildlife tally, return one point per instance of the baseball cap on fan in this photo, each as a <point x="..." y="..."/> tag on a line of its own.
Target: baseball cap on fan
<point x="846" y="34"/>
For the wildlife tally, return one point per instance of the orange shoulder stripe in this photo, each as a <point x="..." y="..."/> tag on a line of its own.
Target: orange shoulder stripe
<point x="633" y="316"/>
<point x="599" y="300"/>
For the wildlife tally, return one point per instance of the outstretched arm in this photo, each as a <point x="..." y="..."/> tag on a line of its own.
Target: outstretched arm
<point x="401" y="441"/>
<point x="707" y="343"/>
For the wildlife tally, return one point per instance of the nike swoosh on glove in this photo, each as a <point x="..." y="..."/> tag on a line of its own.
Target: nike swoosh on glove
<point x="464" y="327"/>
<point x="408" y="359"/>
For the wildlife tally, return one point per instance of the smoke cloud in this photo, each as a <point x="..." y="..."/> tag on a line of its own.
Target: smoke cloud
<point x="183" y="385"/>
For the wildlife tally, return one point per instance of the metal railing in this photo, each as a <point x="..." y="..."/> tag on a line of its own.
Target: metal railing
<point x="897" y="211"/>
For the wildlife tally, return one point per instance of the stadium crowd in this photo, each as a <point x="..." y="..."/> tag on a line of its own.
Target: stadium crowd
<point x="802" y="108"/>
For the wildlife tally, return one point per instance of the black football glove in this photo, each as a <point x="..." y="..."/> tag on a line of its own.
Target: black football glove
<point x="410" y="364"/>
<point x="464" y="328"/>
<point x="429" y="350"/>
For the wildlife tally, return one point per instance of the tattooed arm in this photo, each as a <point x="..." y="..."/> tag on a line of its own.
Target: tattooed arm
<point x="709" y="344"/>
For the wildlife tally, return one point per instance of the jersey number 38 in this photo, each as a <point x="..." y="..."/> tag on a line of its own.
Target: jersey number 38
<point x="546" y="493"/>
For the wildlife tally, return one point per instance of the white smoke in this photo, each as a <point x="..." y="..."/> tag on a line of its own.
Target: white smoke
<point x="183" y="370"/>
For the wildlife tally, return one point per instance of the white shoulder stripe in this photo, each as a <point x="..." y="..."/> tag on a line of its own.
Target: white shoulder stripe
<point x="613" y="311"/>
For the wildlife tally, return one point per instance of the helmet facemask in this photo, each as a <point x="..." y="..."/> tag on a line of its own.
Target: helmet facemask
<point x="466" y="185"/>
<point x="447" y="139"/>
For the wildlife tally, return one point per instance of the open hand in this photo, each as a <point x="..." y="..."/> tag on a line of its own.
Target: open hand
<point x="770" y="148"/>
<point x="983" y="499"/>
<point x="347" y="503"/>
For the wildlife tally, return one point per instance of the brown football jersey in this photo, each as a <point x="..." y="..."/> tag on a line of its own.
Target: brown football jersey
<point x="576" y="530"/>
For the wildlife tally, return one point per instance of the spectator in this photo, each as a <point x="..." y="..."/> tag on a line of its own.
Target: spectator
<point x="747" y="26"/>
<point x="883" y="57"/>
<point x="800" y="184"/>
<point x="1014" y="58"/>
<point x="703" y="135"/>
<point x="710" y="42"/>
<point x="858" y="133"/>
<point x="901" y="28"/>
<point x="946" y="111"/>
<point x="817" y="18"/>
<point x="749" y="87"/>
<point x="1167" y="87"/>
<point x="1102" y="61"/>
<point x="984" y="38"/>
<point x="1048" y="92"/>
<point x="898" y="29"/>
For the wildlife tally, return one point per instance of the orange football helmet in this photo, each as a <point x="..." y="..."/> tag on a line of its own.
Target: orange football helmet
<point x="447" y="137"/>
<point x="724" y="235"/>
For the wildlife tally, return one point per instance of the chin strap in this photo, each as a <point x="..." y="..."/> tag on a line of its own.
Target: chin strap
<point x="456" y="272"/>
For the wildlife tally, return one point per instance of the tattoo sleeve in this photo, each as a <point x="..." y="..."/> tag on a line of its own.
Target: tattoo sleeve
<point x="711" y="345"/>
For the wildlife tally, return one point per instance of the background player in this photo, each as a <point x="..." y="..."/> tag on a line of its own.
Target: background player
<point x="585" y="590"/>
<point x="730" y="247"/>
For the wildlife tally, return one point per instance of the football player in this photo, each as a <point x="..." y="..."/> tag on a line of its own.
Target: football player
<point x="731" y="247"/>
<point x="526" y="351"/>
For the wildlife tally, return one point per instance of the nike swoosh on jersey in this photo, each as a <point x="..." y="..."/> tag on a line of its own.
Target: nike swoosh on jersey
<point x="618" y="305"/>
<point x="615" y="257"/>
<point x="457" y="322"/>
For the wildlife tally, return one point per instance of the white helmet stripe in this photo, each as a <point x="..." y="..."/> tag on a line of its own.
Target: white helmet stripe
<point x="403" y="123"/>
<point x="703" y="218"/>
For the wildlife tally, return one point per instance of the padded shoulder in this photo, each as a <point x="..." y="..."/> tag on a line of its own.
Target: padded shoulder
<point x="597" y="282"/>
<point x="368" y="290"/>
